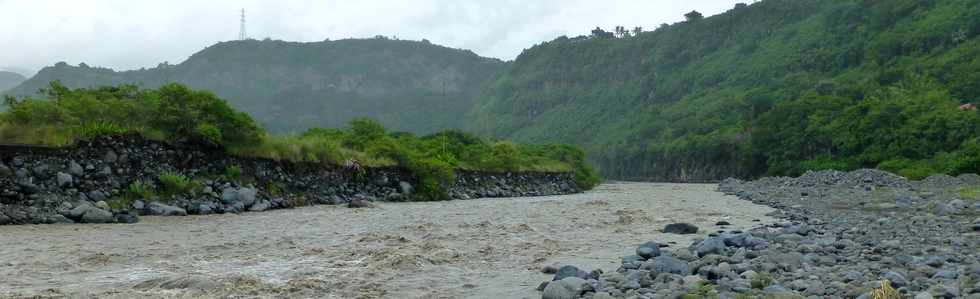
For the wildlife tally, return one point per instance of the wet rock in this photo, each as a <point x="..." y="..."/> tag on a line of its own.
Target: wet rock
<point x="668" y="264"/>
<point x="260" y="206"/>
<point x="648" y="250"/>
<point x="94" y="215"/>
<point x="160" y="209"/>
<point x="567" y="288"/>
<point x="246" y="196"/>
<point x="75" y="169"/>
<point x="359" y="203"/>
<point x="571" y="271"/>
<point x="126" y="218"/>
<point x="64" y="179"/>
<point x="680" y="228"/>
<point x="713" y="245"/>
<point x="405" y="188"/>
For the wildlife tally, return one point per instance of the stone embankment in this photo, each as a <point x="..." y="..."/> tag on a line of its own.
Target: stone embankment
<point x="117" y="179"/>
<point x="843" y="234"/>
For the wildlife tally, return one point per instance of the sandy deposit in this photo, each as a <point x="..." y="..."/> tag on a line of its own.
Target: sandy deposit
<point x="488" y="248"/>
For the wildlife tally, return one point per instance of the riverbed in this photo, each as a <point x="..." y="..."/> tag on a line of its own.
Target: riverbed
<point x="483" y="248"/>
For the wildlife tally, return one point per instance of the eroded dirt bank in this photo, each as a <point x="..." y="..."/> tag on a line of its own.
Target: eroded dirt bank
<point x="487" y="248"/>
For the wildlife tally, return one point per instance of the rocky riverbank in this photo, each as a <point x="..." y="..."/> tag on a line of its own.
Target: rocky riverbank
<point x="842" y="235"/>
<point x="117" y="179"/>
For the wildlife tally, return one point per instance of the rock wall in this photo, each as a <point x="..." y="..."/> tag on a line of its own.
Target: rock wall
<point x="94" y="180"/>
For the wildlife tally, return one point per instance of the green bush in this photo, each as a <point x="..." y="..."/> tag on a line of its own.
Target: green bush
<point x="233" y="172"/>
<point x="138" y="190"/>
<point x="173" y="183"/>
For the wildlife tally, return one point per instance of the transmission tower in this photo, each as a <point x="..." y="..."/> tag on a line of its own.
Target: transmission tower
<point x="241" y="29"/>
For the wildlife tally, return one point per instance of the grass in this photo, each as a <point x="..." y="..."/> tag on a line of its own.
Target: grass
<point x="702" y="290"/>
<point x="307" y="149"/>
<point x="173" y="183"/>
<point x="138" y="190"/>
<point x="970" y="193"/>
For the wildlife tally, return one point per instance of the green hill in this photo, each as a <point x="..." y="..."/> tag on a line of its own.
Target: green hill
<point x="775" y="87"/>
<point x="10" y="79"/>
<point x="289" y="86"/>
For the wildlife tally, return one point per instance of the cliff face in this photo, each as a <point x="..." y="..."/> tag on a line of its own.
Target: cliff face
<point x="118" y="179"/>
<point x="289" y="86"/>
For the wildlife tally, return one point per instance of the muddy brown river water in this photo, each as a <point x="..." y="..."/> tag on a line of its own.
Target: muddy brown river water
<point x="486" y="248"/>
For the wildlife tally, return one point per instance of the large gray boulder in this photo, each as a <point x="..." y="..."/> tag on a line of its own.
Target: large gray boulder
<point x="64" y="180"/>
<point x="567" y="288"/>
<point x="75" y="169"/>
<point x="713" y="245"/>
<point x="669" y="264"/>
<point x="95" y="215"/>
<point x="246" y="196"/>
<point x="159" y="209"/>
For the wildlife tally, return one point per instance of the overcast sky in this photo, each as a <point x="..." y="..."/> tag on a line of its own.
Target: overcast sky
<point x="129" y="34"/>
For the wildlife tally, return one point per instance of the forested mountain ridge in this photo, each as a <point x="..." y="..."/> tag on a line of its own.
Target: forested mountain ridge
<point x="775" y="87"/>
<point x="290" y="86"/>
<point x="10" y="79"/>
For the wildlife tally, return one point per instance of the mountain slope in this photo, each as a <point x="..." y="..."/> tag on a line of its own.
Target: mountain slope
<point x="289" y="86"/>
<point x="776" y="87"/>
<point x="10" y="79"/>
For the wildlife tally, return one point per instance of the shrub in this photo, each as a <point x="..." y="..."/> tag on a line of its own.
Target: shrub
<point x="138" y="190"/>
<point x="173" y="183"/>
<point x="233" y="172"/>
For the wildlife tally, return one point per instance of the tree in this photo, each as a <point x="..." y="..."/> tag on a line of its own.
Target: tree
<point x="599" y="33"/>
<point x="694" y="15"/>
<point x="637" y="30"/>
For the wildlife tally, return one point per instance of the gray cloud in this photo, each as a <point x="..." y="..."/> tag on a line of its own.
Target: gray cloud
<point x="126" y="34"/>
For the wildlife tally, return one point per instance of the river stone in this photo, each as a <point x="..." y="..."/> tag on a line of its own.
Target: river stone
<point x="897" y="280"/>
<point x="246" y="196"/>
<point x="262" y="205"/>
<point x="567" y="288"/>
<point x="110" y="157"/>
<point x="102" y="205"/>
<point x="713" y="245"/>
<point x="669" y="264"/>
<point x="80" y="209"/>
<point x="648" y="250"/>
<point x="681" y="228"/>
<point x="126" y="218"/>
<point x="229" y="195"/>
<point x="571" y="271"/>
<point x="159" y="209"/>
<point x="96" y="195"/>
<point x="94" y="215"/>
<point x="64" y="179"/>
<point x="405" y="187"/>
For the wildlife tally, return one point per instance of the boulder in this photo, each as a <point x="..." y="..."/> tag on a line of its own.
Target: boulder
<point x="571" y="271"/>
<point x="229" y="195"/>
<point x="405" y="188"/>
<point x="262" y="205"/>
<point x="126" y="218"/>
<point x="64" y="180"/>
<point x="648" y="250"/>
<point x="159" y="209"/>
<point x="681" y="228"/>
<point x="75" y="169"/>
<point x="567" y="288"/>
<point x="359" y="203"/>
<point x="669" y="264"/>
<point x="246" y="196"/>
<point x="713" y="245"/>
<point x="94" y="215"/>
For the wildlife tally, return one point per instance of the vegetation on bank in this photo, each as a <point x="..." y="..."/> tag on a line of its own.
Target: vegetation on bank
<point x="176" y="113"/>
<point x="776" y="87"/>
